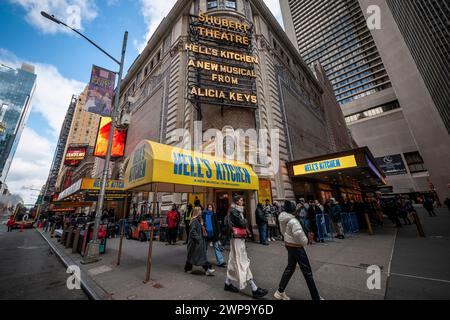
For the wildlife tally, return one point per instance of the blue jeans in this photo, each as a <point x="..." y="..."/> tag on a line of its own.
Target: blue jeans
<point x="262" y="228"/>
<point x="219" y="257"/>
<point x="321" y="227"/>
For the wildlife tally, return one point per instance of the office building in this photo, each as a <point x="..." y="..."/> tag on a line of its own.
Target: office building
<point x="392" y="83"/>
<point x="16" y="91"/>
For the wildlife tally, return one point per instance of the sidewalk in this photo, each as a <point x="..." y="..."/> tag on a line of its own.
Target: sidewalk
<point x="339" y="269"/>
<point x="421" y="266"/>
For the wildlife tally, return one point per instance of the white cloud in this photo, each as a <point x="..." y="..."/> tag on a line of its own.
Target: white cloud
<point x="31" y="165"/>
<point x="155" y="10"/>
<point x="71" y="12"/>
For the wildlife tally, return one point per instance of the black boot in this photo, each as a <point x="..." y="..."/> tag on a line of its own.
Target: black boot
<point x="231" y="288"/>
<point x="259" y="293"/>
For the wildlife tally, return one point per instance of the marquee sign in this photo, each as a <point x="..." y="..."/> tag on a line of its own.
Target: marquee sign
<point x="221" y="64"/>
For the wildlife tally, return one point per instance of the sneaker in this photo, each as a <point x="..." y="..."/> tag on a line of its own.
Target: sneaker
<point x="188" y="271"/>
<point x="322" y="298"/>
<point x="210" y="272"/>
<point x="281" y="296"/>
<point x="269" y="239"/>
<point x="259" y="293"/>
<point x="223" y="265"/>
<point x="231" y="288"/>
<point x="273" y="239"/>
<point x="265" y="244"/>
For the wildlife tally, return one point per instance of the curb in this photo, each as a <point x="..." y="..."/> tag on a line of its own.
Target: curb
<point x="67" y="261"/>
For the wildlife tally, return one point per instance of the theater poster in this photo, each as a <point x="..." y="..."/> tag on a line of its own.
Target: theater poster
<point x="100" y="94"/>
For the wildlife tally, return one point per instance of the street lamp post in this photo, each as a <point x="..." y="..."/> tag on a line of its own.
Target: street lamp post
<point x="93" y="249"/>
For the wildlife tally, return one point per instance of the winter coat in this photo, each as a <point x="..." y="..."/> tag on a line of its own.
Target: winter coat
<point x="294" y="236"/>
<point x="261" y="217"/>
<point x="196" y="248"/>
<point x="237" y="220"/>
<point x="172" y="219"/>
<point x="212" y="226"/>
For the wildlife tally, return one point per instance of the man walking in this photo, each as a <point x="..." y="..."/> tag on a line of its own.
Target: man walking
<point x="261" y="221"/>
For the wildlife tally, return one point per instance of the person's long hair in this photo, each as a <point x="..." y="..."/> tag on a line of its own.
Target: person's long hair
<point x="212" y="206"/>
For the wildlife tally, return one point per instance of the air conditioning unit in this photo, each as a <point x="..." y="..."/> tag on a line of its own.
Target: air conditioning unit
<point x="125" y="120"/>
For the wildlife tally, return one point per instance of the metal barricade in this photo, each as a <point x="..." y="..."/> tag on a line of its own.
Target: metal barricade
<point x="325" y="230"/>
<point x="349" y="223"/>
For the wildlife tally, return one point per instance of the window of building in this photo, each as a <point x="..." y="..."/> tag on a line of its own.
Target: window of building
<point x="230" y="4"/>
<point x="415" y="162"/>
<point x="212" y="4"/>
<point x="145" y="71"/>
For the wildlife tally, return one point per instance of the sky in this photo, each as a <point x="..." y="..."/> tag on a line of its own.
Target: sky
<point x="63" y="63"/>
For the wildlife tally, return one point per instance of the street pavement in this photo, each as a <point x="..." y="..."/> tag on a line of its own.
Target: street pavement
<point x="412" y="268"/>
<point x="420" y="267"/>
<point x="339" y="269"/>
<point x="29" y="271"/>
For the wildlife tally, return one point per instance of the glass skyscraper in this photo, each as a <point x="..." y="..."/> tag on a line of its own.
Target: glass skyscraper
<point x="16" y="90"/>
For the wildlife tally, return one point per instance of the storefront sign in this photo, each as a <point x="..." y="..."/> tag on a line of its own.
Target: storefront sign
<point x="221" y="63"/>
<point x="101" y="91"/>
<point x="152" y="162"/>
<point x="71" y="190"/>
<point x="94" y="184"/>
<point x="392" y="165"/>
<point x="325" y="165"/>
<point x="265" y="191"/>
<point x="74" y="156"/>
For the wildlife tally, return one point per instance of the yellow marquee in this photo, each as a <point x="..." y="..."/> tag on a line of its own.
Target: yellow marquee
<point x="156" y="167"/>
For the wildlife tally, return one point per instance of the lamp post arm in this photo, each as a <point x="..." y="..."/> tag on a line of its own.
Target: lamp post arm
<point x="52" y="18"/>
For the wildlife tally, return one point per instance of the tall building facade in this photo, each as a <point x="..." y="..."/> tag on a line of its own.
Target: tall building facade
<point x="379" y="76"/>
<point x="229" y="65"/>
<point x="58" y="158"/>
<point x="81" y="132"/>
<point x="16" y="91"/>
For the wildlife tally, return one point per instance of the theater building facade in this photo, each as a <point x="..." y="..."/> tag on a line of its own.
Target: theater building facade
<point x="227" y="65"/>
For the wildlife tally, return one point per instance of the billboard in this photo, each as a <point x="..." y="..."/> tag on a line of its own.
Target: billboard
<point x="392" y="165"/>
<point x="74" y="156"/>
<point x="101" y="145"/>
<point x="101" y="91"/>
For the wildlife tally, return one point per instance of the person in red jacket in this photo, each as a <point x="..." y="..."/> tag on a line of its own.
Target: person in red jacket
<point x="10" y="223"/>
<point x="173" y="219"/>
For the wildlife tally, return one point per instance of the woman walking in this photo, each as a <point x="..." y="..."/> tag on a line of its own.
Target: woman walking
<point x="196" y="248"/>
<point x="238" y="262"/>
<point x="295" y="241"/>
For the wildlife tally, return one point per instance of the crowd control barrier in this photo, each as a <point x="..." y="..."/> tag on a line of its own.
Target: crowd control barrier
<point x="350" y="223"/>
<point x="325" y="230"/>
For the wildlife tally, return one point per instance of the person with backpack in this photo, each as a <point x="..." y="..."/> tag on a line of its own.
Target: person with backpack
<point x="295" y="241"/>
<point x="212" y="227"/>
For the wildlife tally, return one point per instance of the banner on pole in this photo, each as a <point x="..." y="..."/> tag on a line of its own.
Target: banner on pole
<point x="101" y="91"/>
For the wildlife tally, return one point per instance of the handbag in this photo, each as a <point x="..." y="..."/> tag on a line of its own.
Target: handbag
<point x="271" y="222"/>
<point x="239" y="233"/>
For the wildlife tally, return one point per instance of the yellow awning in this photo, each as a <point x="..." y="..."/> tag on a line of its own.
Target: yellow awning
<point x="157" y="167"/>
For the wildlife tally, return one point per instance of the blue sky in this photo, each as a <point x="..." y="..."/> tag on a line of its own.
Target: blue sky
<point x="63" y="62"/>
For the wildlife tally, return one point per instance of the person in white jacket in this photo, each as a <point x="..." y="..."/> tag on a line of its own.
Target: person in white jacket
<point x="295" y="240"/>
